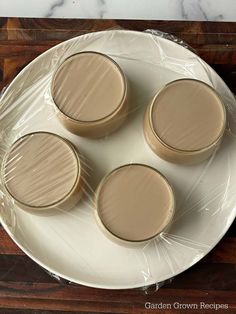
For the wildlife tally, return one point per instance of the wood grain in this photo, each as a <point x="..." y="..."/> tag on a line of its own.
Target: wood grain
<point x="26" y="288"/>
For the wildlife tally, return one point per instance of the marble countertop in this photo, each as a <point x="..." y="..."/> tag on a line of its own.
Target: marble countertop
<point x="197" y="10"/>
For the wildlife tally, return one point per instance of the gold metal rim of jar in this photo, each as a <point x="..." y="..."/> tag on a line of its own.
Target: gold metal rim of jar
<point x="119" y="239"/>
<point x="75" y="185"/>
<point x="106" y="118"/>
<point x="181" y="151"/>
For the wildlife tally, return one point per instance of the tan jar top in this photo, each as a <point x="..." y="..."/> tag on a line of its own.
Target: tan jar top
<point x="135" y="202"/>
<point x="40" y="170"/>
<point x="88" y="87"/>
<point x="188" y="115"/>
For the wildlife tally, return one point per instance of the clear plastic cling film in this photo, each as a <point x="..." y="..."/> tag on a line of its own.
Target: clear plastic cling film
<point x="55" y="222"/>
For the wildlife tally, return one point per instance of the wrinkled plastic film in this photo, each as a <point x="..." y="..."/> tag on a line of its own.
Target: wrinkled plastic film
<point x="204" y="193"/>
<point x="170" y="37"/>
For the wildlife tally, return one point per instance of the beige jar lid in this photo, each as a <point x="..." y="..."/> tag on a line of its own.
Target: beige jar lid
<point x="42" y="171"/>
<point x="134" y="203"/>
<point x="90" y="91"/>
<point x="185" y="121"/>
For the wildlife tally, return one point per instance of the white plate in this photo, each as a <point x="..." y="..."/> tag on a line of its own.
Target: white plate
<point x="70" y="244"/>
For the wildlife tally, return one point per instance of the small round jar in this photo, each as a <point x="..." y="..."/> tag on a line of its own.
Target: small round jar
<point x="42" y="171"/>
<point x="89" y="91"/>
<point x="185" y="122"/>
<point x="134" y="204"/>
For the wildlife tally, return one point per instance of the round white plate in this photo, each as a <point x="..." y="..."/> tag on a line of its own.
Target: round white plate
<point x="70" y="244"/>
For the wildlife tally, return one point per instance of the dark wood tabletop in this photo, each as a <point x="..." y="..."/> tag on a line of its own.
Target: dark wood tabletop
<point x="24" y="286"/>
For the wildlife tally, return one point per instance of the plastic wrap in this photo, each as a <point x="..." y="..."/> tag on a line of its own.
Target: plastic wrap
<point x="69" y="243"/>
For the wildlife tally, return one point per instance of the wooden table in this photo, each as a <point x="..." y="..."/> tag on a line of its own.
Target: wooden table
<point x="25" y="288"/>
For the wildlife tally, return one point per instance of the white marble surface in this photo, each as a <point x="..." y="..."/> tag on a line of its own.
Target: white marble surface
<point x="198" y="10"/>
